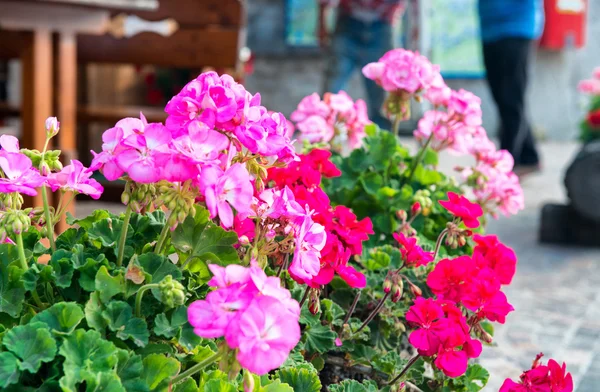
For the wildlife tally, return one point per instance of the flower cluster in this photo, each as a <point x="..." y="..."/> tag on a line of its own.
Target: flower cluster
<point x="459" y="130"/>
<point x="257" y="317"/>
<point x="468" y="290"/>
<point x="548" y="378"/>
<point x="412" y="254"/>
<point x="217" y="139"/>
<point x="336" y="120"/>
<point x="21" y="176"/>
<point x="344" y="232"/>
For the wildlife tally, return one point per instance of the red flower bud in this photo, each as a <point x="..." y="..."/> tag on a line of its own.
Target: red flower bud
<point x="415" y="209"/>
<point x="387" y="286"/>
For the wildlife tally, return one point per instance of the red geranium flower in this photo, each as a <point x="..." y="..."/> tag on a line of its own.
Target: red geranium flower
<point x="461" y="207"/>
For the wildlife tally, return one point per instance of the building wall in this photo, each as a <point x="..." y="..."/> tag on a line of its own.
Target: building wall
<point x="284" y="76"/>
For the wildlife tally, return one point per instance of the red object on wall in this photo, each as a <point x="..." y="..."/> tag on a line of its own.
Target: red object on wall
<point x="565" y="24"/>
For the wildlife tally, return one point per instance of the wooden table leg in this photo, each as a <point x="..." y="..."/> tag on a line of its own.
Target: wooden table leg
<point x="66" y="105"/>
<point x="36" y="62"/>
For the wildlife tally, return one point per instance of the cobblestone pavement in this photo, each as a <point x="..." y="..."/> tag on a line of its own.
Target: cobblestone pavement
<point x="556" y="292"/>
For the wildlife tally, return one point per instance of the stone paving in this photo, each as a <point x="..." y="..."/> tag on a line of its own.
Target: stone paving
<point x="556" y="292"/>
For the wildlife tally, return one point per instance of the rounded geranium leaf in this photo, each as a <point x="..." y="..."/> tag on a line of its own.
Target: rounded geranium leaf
<point x="61" y="318"/>
<point x="158" y="371"/>
<point x="9" y="369"/>
<point x="301" y="380"/>
<point x="32" y="344"/>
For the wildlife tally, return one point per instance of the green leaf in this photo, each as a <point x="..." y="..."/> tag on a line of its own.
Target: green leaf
<point x="219" y="386"/>
<point x="9" y="369"/>
<point x="188" y="385"/>
<point x="354" y="386"/>
<point x="371" y="182"/>
<point x="108" y="286"/>
<point x="377" y="260"/>
<point x="426" y="176"/>
<point x="86" y="354"/>
<point x="332" y="311"/>
<point x="157" y="267"/>
<point x="107" y="233"/>
<point x="119" y="318"/>
<point x="430" y="158"/>
<point x="147" y="228"/>
<point x="88" y="222"/>
<point x="129" y="370"/>
<point x="69" y="238"/>
<point x="62" y="318"/>
<point x="158" y="371"/>
<point x="187" y="337"/>
<point x="301" y="380"/>
<point x="170" y="329"/>
<point x="277" y="386"/>
<point x="104" y="382"/>
<point x="62" y="271"/>
<point x="199" y="238"/>
<point x="382" y="146"/>
<point x="93" y="313"/>
<point x="12" y="291"/>
<point x="475" y="379"/>
<point x="32" y="344"/>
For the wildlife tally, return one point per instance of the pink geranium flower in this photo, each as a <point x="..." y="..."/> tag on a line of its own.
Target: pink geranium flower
<point x="541" y="378"/>
<point x="19" y="174"/>
<point x="310" y="239"/>
<point x="461" y="207"/>
<point x="76" y="178"/>
<point x="263" y="335"/>
<point x="9" y="143"/>
<point x="412" y="254"/>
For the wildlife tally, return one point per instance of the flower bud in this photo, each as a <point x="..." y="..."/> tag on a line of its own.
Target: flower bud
<point x="314" y="307"/>
<point x="172" y="292"/>
<point x="397" y="290"/>
<point x="125" y="197"/>
<point x="387" y="285"/>
<point x="402" y="215"/>
<point x="248" y="381"/>
<point x="52" y="127"/>
<point x="270" y="234"/>
<point x="45" y="169"/>
<point x="416" y="290"/>
<point x="415" y="209"/>
<point x="244" y="240"/>
<point x="461" y="241"/>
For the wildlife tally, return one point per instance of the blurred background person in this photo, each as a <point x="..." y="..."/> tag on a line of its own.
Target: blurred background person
<point x="508" y="31"/>
<point x="363" y="33"/>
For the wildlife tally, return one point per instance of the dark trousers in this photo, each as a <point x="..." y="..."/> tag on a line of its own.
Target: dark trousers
<point x="507" y="63"/>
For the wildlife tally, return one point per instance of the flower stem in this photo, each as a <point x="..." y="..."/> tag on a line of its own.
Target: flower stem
<point x="403" y="372"/>
<point x="417" y="161"/>
<point x="397" y="121"/>
<point x="123" y="237"/>
<point x="23" y="260"/>
<point x="196" y="368"/>
<point x="163" y="237"/>
<point x="438" y="244"/>
<point x="49" y="225"/>
<point x="352" y="307"/>
<point x="373" y="313"/>
<point x="140" y="295"/>
<point x="305" y="296"/>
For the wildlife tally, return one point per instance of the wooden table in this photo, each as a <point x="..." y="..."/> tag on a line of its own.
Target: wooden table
<point x="26" y="32"/>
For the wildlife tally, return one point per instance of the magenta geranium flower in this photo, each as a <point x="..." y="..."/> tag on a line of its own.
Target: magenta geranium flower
<point x="451" y="279"/>
<point x="428" y="316"/>
<point x="76" y="178"/>
<point x="310" y="238"/>
<point x="461" y="207"/>
<point x="20" y="176"/>
<point x="412" y="254"/>
<point x="226" y="189"/>
<point x="550" y="378"/>
<point x="491" y="253"/>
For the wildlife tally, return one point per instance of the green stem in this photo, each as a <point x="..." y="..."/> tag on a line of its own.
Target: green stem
<point x="162" y="239"/>
<point x="123" y="237"/>
<point x="63" y="208"/>
<point x="438" y="244"/>
<point x="140" y="295"/>
<point x="196" y="368"/>
<point x="403" y="372"/>
<point x="417" y="161"/>
<point x="23" y="260"/>
<point x="397" y="121"/>
<point x="49" y="225"/>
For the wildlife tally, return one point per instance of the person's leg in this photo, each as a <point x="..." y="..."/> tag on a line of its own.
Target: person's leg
<point x="507" y="67"/>
<point x="374" y="44"/>
<point x="341" y="61"/>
